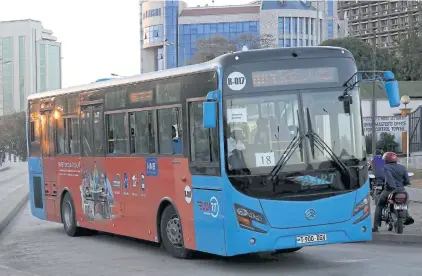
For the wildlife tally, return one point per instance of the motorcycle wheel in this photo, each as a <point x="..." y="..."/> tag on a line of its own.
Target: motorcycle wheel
<point x="399" y="225"/>
<point x="390" y="227"/>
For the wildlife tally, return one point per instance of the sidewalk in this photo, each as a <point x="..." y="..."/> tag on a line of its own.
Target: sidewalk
<point x="411" y="233"/>
<point x="14" y="190"/>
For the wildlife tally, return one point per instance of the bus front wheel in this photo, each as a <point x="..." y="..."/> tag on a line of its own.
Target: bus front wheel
<point x="69" y="217"/>
<point x="171" y="234"/>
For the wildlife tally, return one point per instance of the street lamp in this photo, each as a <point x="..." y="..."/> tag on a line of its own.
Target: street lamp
<point x="405" y="112"/>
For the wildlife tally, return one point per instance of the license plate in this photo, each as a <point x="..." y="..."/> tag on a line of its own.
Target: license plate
<point x="378" y="188"/>
<point x="311" y="238"/>
<point x="400" y="207"/>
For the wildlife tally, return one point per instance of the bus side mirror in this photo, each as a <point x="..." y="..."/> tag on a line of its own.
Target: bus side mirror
<point x="391" y="89"/>
<point x="210" y="115"/>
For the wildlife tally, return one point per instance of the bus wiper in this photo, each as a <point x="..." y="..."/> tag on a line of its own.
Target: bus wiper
<point x="286" y="155"/>
<point x="322" y="146"/>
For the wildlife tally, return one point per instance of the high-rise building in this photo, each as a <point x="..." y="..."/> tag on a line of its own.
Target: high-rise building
<point x="170" y="29"/>
<point x="30" y="62"/>
<point x="380" y="22"/>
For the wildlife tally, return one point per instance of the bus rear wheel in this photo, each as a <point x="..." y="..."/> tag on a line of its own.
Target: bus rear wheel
<point x="172" y="235"/>
<point x="69" y="217"/>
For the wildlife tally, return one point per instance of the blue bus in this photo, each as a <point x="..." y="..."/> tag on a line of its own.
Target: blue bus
<point x="254" y="151"/>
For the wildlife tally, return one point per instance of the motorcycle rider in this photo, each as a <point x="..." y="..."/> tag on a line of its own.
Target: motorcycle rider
<point x="378" y="165"/>
<point x="396" y="177"/>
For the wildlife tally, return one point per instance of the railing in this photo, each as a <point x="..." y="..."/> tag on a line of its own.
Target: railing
<point x="415" y="130"/>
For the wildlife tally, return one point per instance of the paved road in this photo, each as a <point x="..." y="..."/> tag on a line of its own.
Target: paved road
<point x="33" y="247"/>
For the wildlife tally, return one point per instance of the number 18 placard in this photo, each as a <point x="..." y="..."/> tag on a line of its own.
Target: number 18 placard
<point x="266" y="159"/>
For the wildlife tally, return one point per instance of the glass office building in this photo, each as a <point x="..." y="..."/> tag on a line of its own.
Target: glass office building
<point x="170" y="30"/>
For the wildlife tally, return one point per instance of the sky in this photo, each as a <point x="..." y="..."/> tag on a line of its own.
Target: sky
<point x="99" y="37"/>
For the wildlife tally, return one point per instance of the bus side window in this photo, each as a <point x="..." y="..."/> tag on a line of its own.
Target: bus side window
<point x="204" y="147"/>
<point x="170" y="131"/>
<point x="116" y="133"/>
<point x="142" y="132"/>
<point x="67" y="136"/>
<point x="61" y="136"/>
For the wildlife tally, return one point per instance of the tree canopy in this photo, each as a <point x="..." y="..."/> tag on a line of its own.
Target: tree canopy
<point x="210" y="48"/>
<point x="13" y="134"/>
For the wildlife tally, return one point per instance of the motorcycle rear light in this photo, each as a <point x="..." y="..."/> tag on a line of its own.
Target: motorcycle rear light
<point x="246" y="217"/>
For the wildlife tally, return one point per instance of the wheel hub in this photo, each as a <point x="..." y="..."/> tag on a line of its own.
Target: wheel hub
<point x="174" y="231"/>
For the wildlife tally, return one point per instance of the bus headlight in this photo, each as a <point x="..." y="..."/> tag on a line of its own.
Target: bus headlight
<point x="363" y="205"/>
<point x="246" y="217"/>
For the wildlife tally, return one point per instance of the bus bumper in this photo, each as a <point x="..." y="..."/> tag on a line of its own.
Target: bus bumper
<point x="245" y="241"/>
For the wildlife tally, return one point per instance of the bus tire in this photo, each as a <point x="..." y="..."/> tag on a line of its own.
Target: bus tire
<point x="172" y="235"/>
<point x="69" y="217"/>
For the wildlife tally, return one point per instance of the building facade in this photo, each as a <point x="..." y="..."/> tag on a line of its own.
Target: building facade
<point x="380" y="22"/>
<point x="30" y="62"/>
<point x="170" y="30"/>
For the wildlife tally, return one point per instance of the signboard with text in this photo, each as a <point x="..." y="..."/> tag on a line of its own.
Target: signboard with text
<point x="391" y="124"/>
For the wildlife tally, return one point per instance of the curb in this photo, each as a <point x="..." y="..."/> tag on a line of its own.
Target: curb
<point x="19" y="198"/>
<point x="396" y="238"/>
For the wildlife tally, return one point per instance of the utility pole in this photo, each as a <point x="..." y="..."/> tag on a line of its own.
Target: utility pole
<point x="374" y="103"/>
<point x="317" y="24"/>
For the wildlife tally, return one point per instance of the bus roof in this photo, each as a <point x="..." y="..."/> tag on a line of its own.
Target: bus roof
<point x="309" y="52"/>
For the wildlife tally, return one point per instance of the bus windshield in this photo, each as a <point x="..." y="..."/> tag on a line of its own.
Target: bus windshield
<point x="259" y="128"/>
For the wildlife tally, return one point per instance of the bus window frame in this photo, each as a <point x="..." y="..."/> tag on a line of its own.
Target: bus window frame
<point x="51" y="144"/>
<point x="133" y="110"/>
<point x="90" y="106"/>
<point x="66" y="117"/>
<point x="105" y="125"/>
<point x="177" y="155"/>
<point x="193" y="165"/>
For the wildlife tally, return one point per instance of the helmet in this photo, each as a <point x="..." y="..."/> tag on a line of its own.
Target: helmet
<point x="390" y="157"/>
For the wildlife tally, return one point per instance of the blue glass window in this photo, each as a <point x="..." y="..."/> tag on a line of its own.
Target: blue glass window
<point x="287" y="43"/>
<point x="306" y="42"/>
<point x="207" y="28"/>
<point x="153" y="34"/>
<point x="300" y="42"/>
<point x="294" y="42"/>
<point x="330" y="7"/>
<point x="220" y="28"/>
<point x="253" y="26"/>
<point x="281" y="25"/>
<point x="330" y="28"/>
<point x="294" y="19"/>
<point x="307" y="26"/>
<point x="312" y="26"/>
<point x="287" y="25"/>
<point x="300" y="25"/>
<point x="281" y="43"/>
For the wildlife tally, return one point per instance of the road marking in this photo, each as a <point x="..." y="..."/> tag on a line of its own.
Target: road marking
<point x="351" y="261"/>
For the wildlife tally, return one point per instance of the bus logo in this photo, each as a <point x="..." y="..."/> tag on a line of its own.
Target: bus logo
<point x="310" y="214"/>
<point x="210" y="208"/>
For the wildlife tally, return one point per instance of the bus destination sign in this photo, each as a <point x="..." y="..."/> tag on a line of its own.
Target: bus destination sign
<point x="295" y="76"/>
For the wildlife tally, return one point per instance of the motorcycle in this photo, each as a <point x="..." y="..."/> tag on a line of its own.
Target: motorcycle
<point x="394" y="213"/>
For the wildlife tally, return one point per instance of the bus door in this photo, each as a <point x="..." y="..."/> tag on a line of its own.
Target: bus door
<point x="96" y="201"/>
<point x="48" y="149"/>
